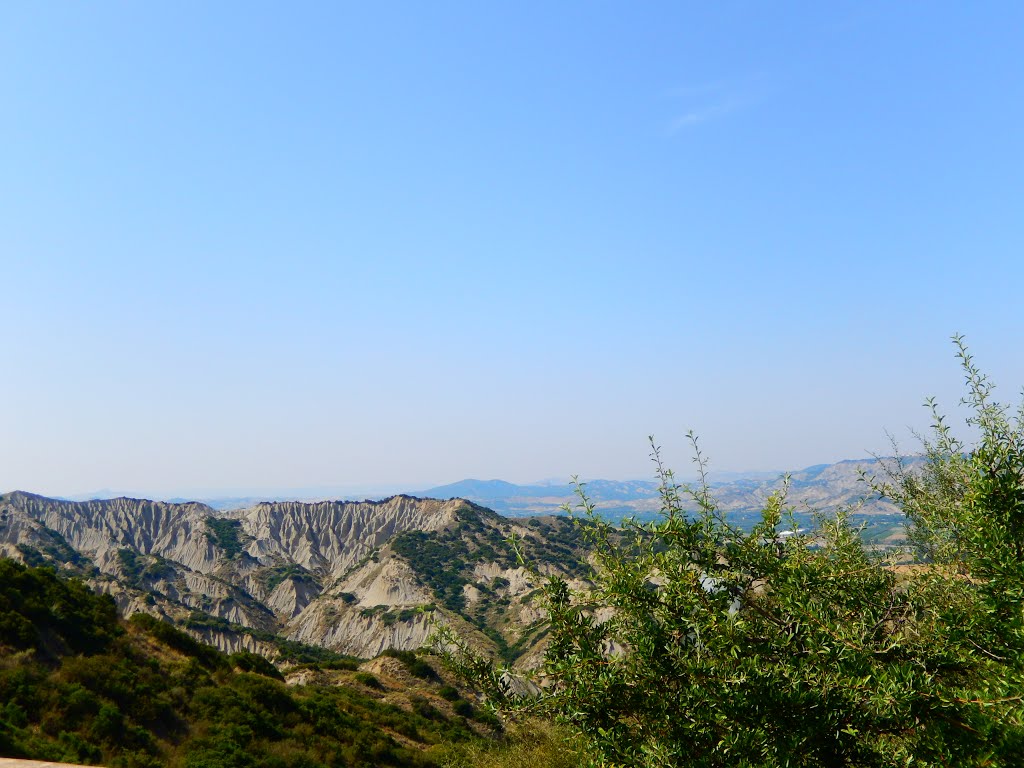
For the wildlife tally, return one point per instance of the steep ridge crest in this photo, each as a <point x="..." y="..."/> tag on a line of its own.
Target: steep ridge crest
<point x="328" y="537"/>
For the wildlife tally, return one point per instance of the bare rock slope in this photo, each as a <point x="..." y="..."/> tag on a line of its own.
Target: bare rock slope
<point x="351" y="577"/>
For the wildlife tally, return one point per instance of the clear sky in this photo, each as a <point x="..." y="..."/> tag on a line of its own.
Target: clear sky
<point x="249" y="245"/>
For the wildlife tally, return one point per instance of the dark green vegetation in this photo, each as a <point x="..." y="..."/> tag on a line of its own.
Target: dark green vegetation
<point x="286" y="650"/>
<point x="138" y="569"/>
<point x="226" y="534"/>
<point x="415" y="666"/>
<point x="276" y="576"/>
<point x="774" y="647"/>
<point x="56" y="551"/>
<point x="78" y="685"/>
<point x="52" y="618"/>
<point x="392" y="616"/>
<point x="444" y="562"/>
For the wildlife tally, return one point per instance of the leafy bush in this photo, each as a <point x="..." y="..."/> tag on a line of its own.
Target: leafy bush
<point x="705" y="645"/>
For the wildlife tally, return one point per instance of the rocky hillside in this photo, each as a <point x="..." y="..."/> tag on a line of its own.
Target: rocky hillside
<point x="78" y="684"/>
<point x="287" y="578"/>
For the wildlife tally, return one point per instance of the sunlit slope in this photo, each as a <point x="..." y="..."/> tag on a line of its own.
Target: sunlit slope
<point x="351" y="577"/>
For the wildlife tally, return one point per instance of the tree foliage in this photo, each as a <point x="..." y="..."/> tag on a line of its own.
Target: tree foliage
<point x="701" y="644"/>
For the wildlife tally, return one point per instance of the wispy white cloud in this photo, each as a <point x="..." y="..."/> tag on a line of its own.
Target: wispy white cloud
<point x="702" y="115"/>
<point x="704" y="102"/>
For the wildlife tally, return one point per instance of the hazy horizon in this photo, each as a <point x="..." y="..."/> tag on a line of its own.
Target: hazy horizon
<point x="382" y="490"/>
<point x="249" y="246"/>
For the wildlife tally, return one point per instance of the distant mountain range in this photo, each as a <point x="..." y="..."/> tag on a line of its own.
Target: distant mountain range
<point x="822" y="487"/>
<point x="819" y="488"/>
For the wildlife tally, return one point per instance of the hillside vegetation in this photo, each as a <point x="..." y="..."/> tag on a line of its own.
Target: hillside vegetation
<point x="78" y="685"/>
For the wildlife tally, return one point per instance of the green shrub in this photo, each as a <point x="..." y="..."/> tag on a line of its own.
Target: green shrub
<point x="365" y="678"/>
<point x="778" y="647"/>
<point x="448" y="692"/>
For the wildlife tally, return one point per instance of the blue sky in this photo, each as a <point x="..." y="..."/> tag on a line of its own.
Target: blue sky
<point x="250" y="246"/>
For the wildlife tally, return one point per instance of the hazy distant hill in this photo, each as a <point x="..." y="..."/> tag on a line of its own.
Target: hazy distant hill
<point x="527" y="500"/>
<point x="823" y="487"/>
